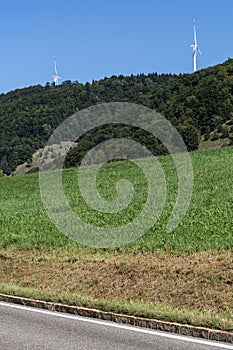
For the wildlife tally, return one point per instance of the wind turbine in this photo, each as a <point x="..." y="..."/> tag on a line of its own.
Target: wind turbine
<point x="195" y="47"/>
<point x="55" y="77"/>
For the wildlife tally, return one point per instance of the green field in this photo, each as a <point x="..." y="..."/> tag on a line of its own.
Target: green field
<point x="184" y="276"/>
<point x="207" y="224"/>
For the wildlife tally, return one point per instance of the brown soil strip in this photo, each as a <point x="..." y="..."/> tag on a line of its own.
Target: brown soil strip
<point x="201" y="281"/>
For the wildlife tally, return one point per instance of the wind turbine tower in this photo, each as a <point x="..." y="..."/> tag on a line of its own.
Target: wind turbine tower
<point x="195" y="47"/>
<point x="55" y="77"/>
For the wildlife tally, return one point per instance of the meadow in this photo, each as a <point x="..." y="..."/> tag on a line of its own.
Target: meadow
<point x="183" y="276"/>
<point x="207" y="224"/>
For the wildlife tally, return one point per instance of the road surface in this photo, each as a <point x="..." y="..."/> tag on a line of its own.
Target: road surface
<point x="25" y="328"/>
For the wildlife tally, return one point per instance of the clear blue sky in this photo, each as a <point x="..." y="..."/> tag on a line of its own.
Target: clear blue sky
<point x="92" y="39"/>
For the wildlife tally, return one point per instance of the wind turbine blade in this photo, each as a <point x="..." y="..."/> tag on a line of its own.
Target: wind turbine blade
<point x="200" y="51"/>
<point x="195" y="33"/>
<point x="55" y="66"/>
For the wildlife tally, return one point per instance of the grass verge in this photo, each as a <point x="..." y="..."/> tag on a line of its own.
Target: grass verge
<point x="161" y="312"/>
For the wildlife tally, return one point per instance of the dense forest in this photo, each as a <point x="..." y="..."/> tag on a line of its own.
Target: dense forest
<point x="200" y="105"/>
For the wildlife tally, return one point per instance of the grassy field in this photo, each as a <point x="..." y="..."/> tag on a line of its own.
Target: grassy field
<point x="183" y="276"/>
<point x="207" y="225"/>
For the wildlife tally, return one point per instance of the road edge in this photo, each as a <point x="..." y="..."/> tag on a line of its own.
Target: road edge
<point x="181" y="329"/>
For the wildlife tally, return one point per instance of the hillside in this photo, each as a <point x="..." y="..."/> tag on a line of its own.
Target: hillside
<point x="184" y="276"/>
<point x="200" y="105"/>
<point x="24" y="222"/>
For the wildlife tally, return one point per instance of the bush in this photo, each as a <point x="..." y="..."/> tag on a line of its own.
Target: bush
<point x="215" y="136"/>
<point x="225" y="133"/>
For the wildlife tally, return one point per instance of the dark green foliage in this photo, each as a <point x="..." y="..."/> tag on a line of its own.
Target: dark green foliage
<point x="195" y="103"/>
<point x="225" y="132"/>
<point x="215" y="136"/>
<point x="98" y="135"/>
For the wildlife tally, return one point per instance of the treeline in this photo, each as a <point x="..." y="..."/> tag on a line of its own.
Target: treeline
<point x="196" y="104"/>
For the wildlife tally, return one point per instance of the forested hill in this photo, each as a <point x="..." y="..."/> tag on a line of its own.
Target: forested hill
<point x="200" y="105"/>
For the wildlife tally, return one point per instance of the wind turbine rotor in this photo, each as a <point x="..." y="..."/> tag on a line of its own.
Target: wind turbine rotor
<point x="55" y="77"/>
<point x="195" y="47"/>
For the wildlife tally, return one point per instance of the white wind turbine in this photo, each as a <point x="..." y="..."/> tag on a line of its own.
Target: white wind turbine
<point x="55" y="77"/>
<point x="195" y="48"/>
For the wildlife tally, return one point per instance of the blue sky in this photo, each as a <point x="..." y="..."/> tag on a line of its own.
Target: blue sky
<point x="92" y="39"/>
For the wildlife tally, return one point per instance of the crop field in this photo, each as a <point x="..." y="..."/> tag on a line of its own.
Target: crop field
<point x="184" y="276"/>
<point x="207" y="224"/>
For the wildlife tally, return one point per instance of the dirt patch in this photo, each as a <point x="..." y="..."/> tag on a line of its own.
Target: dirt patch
<point x="199" y="281"/>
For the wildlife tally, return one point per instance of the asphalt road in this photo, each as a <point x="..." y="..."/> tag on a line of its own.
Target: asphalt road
<point x="23" y="328"/>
